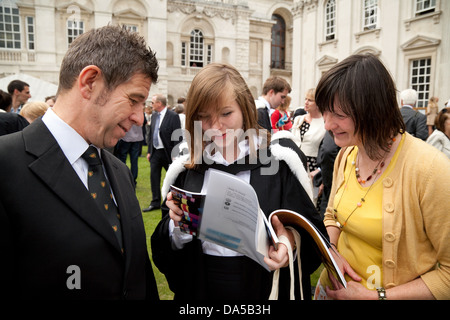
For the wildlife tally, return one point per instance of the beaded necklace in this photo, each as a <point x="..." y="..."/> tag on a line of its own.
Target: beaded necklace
<point x="376" y="172"/>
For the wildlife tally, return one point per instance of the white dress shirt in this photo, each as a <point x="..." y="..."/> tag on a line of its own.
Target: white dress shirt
<point x="71" y="143"/>
<point x="267" y="104"/>
<point x="161" y="117"/>
<point x="179" y="238"/>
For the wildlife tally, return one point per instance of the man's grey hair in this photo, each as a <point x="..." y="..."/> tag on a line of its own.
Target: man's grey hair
<point x="409" y="97"/>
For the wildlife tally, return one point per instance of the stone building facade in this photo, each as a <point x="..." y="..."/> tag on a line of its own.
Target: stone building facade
<point x="297" y="39"/>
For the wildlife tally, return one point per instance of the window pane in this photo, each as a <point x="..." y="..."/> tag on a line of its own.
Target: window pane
<point x="74" y="28"/>
<point x="278" y="42"/>
<point x="420" y="78"/>
<point x="370" y="14"/>
<point x="425" y="6"/>
<point x="196" y="49"/>
<point x="10" y="27"/>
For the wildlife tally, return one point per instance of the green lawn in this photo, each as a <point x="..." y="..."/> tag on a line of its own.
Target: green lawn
<point x="151" y="219"/>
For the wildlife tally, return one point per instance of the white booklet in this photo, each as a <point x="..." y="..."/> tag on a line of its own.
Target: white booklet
<point x="229" y="215"/>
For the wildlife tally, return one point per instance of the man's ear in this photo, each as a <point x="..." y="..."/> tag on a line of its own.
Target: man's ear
<point x="89" y="80"/>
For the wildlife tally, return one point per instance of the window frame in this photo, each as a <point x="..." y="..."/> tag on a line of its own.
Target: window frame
<point x="278" y="62"/>
<point x="28" y="33"/>
<point x="183" y="53"/>
<point x="13" y="34"/>
<point x="432" y="6"/>
<point x="71" y="38"/>
<point x="422" y="93"/>
<point x="330" y="10"/>
<point x="131" y="27"/>
<point x="196" y="52"/>
<point x="367" y="15"/>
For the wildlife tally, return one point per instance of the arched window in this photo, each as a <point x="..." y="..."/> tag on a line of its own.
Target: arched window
<point x="278" y="42"/>
<point x="196" y="49"/>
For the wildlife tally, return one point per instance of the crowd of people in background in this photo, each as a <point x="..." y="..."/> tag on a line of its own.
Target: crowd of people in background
<point x="347" y="143"/>
<point x="16" y="112"/>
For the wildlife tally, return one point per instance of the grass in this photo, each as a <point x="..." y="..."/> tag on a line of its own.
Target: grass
<point x="151" y="220"/>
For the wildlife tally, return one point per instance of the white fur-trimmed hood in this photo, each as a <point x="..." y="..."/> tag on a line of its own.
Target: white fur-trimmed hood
<point x="279" y="152"/>
<point x="292" y="159"/>
<point x="175" y="168"/>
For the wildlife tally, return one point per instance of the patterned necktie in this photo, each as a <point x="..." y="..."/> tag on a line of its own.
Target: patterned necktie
<point x="101" y="191"/>
<point x="156" y="130"/>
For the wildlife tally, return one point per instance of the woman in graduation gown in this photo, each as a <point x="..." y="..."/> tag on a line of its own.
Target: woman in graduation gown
<point x="222" y="129"/>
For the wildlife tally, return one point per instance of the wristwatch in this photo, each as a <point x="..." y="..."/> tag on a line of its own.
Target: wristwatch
<point x="381" y="293"/>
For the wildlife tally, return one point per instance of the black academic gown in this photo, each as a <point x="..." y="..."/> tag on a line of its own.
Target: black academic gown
<point x="185" y="269"/>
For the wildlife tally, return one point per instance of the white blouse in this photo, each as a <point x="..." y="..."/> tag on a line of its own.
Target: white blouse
<point x="312" y="138"/>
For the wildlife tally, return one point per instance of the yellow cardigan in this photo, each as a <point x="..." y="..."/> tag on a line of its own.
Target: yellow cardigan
<point x="416" y="216"/>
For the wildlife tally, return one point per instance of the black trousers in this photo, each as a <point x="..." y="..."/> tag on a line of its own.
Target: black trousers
<point x="158" y="161"/>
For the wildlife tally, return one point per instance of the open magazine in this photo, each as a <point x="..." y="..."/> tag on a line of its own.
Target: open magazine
<point x="228" y="214"/>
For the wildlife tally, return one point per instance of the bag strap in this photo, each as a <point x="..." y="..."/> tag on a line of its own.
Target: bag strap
<point x="276" y="275"/>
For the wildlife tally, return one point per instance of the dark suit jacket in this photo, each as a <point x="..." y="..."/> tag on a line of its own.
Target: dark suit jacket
<point x="11" y="122"/>
<point x="281" y="190"/>
<point x="328" y="151"/>
<point x="264" y="119"/>
<point x="170" y="123"/>
<point x="49" y="222"/>
<point x="415" y="122"/>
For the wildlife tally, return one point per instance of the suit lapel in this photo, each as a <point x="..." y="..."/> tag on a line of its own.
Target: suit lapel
<point x="53" y="168"/>
<point x="164" y="120"/>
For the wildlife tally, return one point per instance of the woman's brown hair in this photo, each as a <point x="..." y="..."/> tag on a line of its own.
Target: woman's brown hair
<point x="440" y="120"/>
<point x="207" y="90"/>
<point x="365" y="91"/>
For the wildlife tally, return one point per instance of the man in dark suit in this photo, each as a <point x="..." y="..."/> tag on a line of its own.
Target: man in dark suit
<point x="161" y="147"/>
<point x="20" y="93"/>
<point x="11" y="122"/>
<point x="328" y="151"/>
<point x="275" y="90"/>
<point x="415" y="122"/>
<point x="56" y="238"/>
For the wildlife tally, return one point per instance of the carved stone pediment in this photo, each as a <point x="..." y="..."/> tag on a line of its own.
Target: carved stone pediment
<point x="209" y="9"/>
<point x="368" y="49"/>
<point x="75" y="7"/>
<point x="326" y="61"/>
<point x="130" y="13"/>
<point x="419" y="42"/>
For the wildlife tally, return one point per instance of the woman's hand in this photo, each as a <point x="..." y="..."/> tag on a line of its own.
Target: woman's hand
<point x="345" y="268"/>
<point x="354" y="291"/>
<point x="279" y="258"/>
<point x="313" y="173"/>
<point x="175" y="211"/>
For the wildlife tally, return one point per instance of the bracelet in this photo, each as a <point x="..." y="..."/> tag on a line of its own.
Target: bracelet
<point x="381" y="293"/>
<point x="333" y="244"/>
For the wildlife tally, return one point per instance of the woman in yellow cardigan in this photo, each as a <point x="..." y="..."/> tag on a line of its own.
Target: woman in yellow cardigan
<point x="388" y="212"/>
